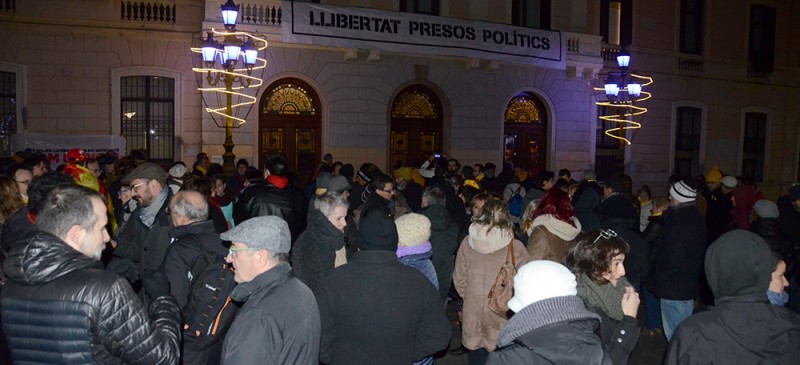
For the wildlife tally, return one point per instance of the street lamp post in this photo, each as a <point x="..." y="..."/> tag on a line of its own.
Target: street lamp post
<point x="227" y="61"/>
<point x="623" y="91"/>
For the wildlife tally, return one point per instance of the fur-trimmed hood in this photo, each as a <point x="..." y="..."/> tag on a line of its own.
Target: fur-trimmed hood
<point x="563" y="230"/>
<point x="483" y="240"/>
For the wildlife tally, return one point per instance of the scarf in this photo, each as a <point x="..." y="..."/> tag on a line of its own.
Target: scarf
<point x="607" y="297"/>
<point x="148" y="214"/>
<point x="543" y="313"/>
<point x="522" y="176"/>
<point x="403" y="251"/>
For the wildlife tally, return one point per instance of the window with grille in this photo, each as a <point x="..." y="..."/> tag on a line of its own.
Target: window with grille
<point x="430" y="7"/>
<point x="531" y="13"/>
<point x="8" y="111"/>
<point x="754" y="146"/>
<point x="687" y="141"/>
<point x="692" y="26"/>
<point x="148" y="115"/>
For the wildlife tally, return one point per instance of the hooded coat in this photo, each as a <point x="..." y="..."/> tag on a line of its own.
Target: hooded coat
<point x="478" y="261"/>
<point x="76" y="312"/>
<point x="444" y="239"/>
<point x="743" y="328"/>
<point x="550" y="238"/>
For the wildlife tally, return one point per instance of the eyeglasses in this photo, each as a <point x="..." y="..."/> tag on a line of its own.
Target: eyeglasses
<point x="232" y="250"/>
<point x="605" y="234"/>
<point x="134" y="187"/>
<point x="390" y="191"/>
<point x="123" y="191"/>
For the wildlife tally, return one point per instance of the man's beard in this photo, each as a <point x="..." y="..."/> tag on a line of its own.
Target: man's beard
<point x="86" y="248"/>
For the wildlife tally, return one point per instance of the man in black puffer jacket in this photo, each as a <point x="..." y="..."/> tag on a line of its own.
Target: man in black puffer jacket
<point x="276" y="196"/>
<point x="60" y="306"/>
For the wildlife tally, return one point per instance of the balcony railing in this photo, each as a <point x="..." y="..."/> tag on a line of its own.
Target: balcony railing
<point x="261" y="14"/>
<point x="147" y="12"/>
<point x="690" y="64"/>
<point x="9" y="6"/>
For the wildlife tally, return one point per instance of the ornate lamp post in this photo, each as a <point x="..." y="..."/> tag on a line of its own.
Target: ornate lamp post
<point x="624" y="90"/>
<point x="225" y="63"/>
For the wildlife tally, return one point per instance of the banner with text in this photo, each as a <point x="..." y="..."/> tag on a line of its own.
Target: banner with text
<point x="421" y="34"/>
<point x="56" y="147"/>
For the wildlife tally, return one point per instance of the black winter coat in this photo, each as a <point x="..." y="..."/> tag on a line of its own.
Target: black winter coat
<point x="737" y="331"/>
<point x="190" y="242"/>
<point x="76" y="312"/>
<point x="264" y="198"/>
<point x="375" y="310"/>
<point x="141" y="250"/>
<point x="652" y="235"/>
<point x="678" y="268"/>
<point x="314" y="253"/>
<point x="769" y="229"/>
<point x="444" y="239"/>
<point x="543" y="336"/>
<point x="588" y="197"/>
<point x="718" y="217"/>
<point x="789" y="220"/>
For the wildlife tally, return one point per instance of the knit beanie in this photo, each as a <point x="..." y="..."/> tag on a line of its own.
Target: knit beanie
<point x="539" y="280"/>
<point x="729" y="182"/>
<point x="377" y="231"/>
<point x="682" y="191"/>
<point x="714" y="175"/>
<point x="404" y="172"/>
<point x="413" y="229"/>
<point x="766" y="209"/>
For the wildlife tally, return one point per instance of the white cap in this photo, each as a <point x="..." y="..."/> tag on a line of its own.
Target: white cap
<point x="539" y="280"/>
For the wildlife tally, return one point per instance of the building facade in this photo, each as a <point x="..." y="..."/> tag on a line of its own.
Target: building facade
<point x="725" y="85"/>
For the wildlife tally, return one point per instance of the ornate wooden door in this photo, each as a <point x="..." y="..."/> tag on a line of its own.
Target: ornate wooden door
<point x="416" y="126"/>
<point x="525" y="133"/>
<point x="289" y="123"/>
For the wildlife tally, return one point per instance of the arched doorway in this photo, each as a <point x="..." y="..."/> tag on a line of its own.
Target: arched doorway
<point x="416" y="126"/>
<point x="525" y="132"/>
<point x="289" y="122"/>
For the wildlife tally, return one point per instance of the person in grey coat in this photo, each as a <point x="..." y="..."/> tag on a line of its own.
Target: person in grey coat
<point x="279" y="321"/>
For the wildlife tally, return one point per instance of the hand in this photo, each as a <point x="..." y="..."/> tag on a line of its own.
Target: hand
<point x="630" y="302"/>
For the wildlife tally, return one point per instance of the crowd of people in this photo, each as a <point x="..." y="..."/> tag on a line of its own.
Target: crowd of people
<point x="122" y="260"/>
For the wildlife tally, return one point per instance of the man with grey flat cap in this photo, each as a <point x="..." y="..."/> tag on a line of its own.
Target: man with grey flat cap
<point x="279" y="321"/>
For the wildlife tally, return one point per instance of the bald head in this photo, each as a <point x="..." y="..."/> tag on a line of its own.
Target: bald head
<point x="188" y="207"/>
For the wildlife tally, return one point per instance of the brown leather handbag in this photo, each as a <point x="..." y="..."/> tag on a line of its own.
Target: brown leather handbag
<point x="503" y="288"/>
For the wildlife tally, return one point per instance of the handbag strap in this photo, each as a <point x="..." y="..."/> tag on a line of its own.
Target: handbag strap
<point x="511" y="252"/>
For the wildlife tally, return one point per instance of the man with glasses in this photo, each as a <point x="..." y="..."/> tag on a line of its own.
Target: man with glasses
<point x="142" y="242"/>
<point x="279" y="321"/>
<point x="22" y="175"/>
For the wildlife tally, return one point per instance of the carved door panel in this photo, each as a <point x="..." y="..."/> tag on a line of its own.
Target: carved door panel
<point x="289" y="123"/>
<point x="416" y="126"/>
<point x="525" y="133"/>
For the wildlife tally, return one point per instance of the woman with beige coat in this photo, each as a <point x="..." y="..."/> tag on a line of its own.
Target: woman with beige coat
<point x="554" y="227"/>
<point x="479" y="259"/>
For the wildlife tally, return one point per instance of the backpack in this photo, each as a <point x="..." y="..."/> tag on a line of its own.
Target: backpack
<point x="515" y="203"/>
<point x="209" y="312"/>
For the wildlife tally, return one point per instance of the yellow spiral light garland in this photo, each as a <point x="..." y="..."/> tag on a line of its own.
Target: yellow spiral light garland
<point x="626" y="109"/>
<point x="243" y="75"/>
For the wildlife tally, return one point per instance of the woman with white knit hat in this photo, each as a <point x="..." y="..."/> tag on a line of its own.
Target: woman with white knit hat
<point x="551" y="324"/>
<point x="414" y="250"/>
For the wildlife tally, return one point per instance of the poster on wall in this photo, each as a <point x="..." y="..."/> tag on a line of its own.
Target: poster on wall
<point x="391" y="31"/>
<point x="55" y="147"/>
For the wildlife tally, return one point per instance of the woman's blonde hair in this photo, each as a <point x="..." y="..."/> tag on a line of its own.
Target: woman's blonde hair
<point x="494" y="214"/>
